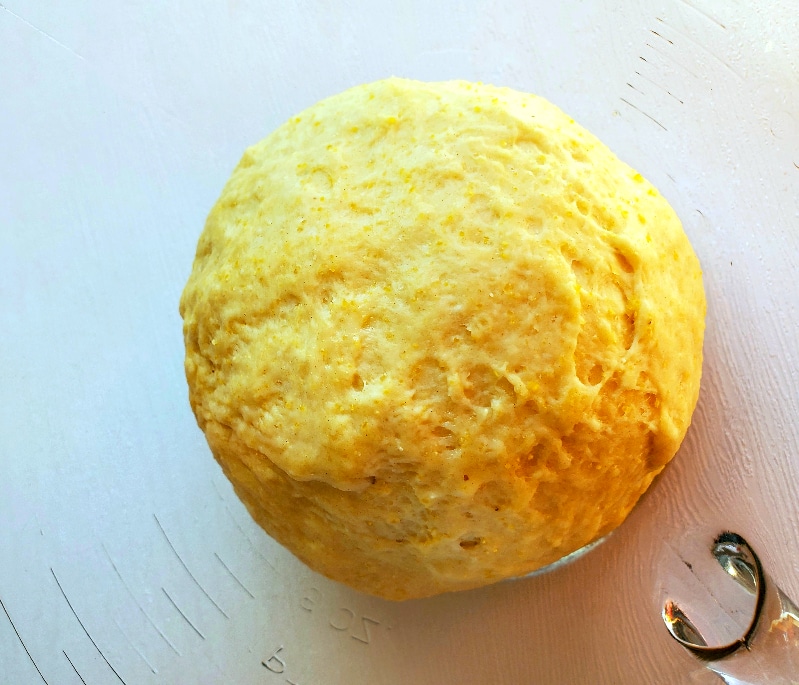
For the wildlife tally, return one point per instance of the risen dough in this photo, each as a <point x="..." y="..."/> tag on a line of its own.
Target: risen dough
<point x="438" y="335"/>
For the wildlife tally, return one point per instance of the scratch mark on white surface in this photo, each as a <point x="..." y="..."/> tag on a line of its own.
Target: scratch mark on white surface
<point x="706" y="15"/>
<point x="637" y="90"/>
<point x="185" y="618"/>
<point x="186" y="568"/>
<point x="670" y="59"/>
<point x="725" y="64"/>
<point x="234" y="576"/>
<point x="135" y="648"/>
<point x="73" y="667"/>
<point x="81" y="624"/>
<point x="659" y="36"/>
<point x="21" y="641"/>
<point x="141" y="608"/>
<point x="43" y="33"/>
<point x="241" y="530"/>
<point x="657" y="85"/>
<point x="648" y="116"/>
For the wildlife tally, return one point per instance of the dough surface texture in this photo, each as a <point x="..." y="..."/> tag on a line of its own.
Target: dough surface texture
<point x="438" y="335"/>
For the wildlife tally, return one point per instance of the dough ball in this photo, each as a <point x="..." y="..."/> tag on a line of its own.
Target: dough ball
<point x="438" y="335"/>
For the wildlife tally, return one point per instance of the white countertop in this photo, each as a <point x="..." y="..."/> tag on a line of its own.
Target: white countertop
<point x="125" y="556"/>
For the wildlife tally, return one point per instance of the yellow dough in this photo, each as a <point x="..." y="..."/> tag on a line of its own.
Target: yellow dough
<point x="438" y="335"/>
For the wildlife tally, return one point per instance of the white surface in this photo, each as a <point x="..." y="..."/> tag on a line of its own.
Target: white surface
<point x="119" y="123"/>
